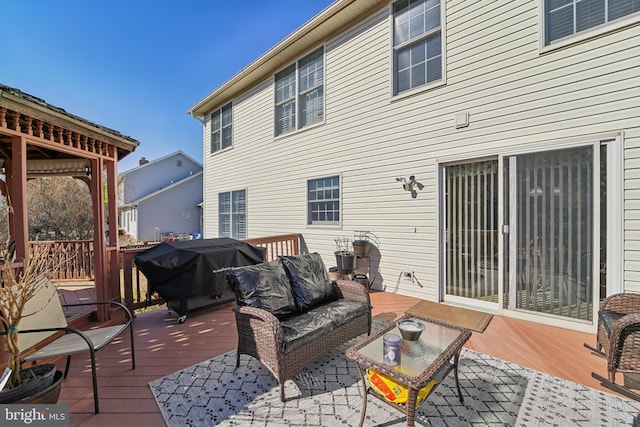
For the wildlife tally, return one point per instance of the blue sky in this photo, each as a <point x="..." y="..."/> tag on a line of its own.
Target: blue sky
<point x="137" y="66"/>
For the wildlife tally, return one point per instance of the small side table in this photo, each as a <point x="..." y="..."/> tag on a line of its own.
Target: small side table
<point x="432" y="357"/>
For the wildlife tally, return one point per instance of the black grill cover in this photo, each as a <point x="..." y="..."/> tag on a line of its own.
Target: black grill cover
<point x="184" y="268"/>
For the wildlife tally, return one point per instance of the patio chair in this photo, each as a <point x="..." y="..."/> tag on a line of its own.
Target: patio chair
<point x="618" y="339"/>
<point x="45" y="309"/>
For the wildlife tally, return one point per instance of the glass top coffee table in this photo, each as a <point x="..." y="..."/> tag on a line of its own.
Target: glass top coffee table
<point x="432" y="357"/>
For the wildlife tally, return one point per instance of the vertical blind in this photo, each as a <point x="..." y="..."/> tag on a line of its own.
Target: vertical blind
<point x="471" y="229"/>
<point x="554" y="232"/>
<point x="549" y="249"/>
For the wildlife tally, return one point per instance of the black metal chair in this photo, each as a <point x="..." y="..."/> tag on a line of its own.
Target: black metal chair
<point x="44" y="317"/>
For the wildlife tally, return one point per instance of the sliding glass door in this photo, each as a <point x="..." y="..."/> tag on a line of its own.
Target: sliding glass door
<point x="527" y="231"/>
<point x="550" y="211"/>
<point x="471" y="230"/>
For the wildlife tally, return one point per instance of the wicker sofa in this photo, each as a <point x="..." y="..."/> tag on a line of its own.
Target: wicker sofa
<point x="288" y="313"/>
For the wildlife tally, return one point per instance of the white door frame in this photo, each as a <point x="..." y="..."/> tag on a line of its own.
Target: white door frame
<point x="614" y="229"/>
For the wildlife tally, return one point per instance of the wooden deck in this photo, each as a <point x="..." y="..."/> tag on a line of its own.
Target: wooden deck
<point x="163" y="346"/>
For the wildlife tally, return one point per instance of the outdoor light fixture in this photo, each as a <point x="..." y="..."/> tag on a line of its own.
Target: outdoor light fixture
<point x="408" y="183"/>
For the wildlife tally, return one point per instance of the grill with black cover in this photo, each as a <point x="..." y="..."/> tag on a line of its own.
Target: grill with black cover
<point x="186" y="272"/>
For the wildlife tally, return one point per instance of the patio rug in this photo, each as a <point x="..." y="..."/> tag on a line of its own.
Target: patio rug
<point x="463" y="317"/>
<point x="329" y="392"/>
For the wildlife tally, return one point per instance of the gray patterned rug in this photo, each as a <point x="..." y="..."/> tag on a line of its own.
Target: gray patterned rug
<point x="329" y="392"/>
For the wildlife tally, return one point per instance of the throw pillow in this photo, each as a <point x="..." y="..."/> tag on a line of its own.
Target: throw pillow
<point x="309" y="280"/>
<point x="263" y="286"/>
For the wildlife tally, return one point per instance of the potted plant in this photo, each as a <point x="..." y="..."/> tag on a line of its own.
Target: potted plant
<point x="345" y="258"/>
<point x="362" y="242"/>
<point x="18" y="285"/>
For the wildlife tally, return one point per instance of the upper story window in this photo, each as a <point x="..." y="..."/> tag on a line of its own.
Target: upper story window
<point x="299" y="97"/>
<point x="222" y="128"/>
<point x="417" y="44"/>
<point x="232" y="214"/>
<point x="323" y="198"/>
<point x="568" y="17"/>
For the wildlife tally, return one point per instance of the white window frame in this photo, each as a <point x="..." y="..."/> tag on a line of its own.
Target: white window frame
<point x="311" y="203"/>
<point x="419" y="38"/>
<point x="222" y="127"/>
<point x="294" y="96"/>
<point x="233" y="214"/>
<point x="587" y="33"/>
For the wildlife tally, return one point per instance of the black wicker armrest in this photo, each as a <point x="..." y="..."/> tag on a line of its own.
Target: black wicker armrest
<point x="353" y="291"/>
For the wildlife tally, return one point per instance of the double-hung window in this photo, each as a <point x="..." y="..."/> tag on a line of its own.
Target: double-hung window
<point x="222" y="128"/>
<point x="565" y="18"/>
<point x="323" y="198"/>
<point x="299" y="94"/>
<point x="417" y="44"/>
<point x="232" y="214"/>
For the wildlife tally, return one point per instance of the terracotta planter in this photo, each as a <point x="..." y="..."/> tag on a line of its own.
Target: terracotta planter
<point x="361" y="247"/>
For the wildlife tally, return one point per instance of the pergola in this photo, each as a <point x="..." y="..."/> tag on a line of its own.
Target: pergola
<point x="37" y="140"/>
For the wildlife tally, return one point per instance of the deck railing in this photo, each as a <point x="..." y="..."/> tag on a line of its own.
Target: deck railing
<point x="134" y="284"/>
<point x="74" y="261"/>
<point x="71" y="260"/>
<point x="285" y="244"/>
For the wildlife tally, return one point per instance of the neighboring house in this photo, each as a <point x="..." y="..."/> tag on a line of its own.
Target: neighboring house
<point x="162" y="199"/>
<point x="519" y="121"/>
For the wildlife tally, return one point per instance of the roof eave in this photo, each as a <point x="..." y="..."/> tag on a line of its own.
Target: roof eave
<point x="329" y="22"/>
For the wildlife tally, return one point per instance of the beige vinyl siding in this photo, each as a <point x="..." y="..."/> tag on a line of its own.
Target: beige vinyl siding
<point x="516" y="98"/>
<point x="632" y="207"/>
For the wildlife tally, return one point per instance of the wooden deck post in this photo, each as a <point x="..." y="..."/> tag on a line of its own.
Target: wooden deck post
<point x="17" y="175"/>
<point x="112" y="215"/>
<point x="99" y="241"/>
